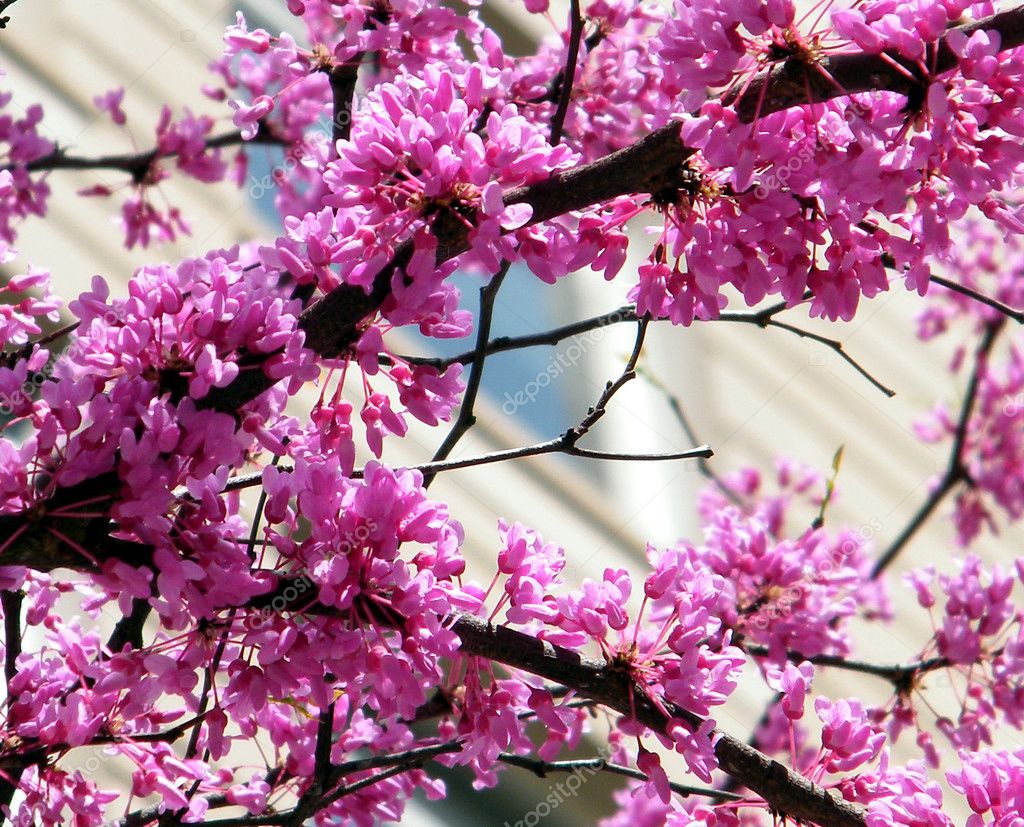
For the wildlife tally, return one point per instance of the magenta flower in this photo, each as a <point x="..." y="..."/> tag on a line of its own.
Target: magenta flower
<point x="110" y="102"/>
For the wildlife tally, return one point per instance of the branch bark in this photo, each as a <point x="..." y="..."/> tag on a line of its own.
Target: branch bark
<point x="786" y="792"/>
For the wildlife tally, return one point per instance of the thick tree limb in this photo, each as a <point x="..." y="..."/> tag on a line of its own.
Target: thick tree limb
<point x="785" y="791"/>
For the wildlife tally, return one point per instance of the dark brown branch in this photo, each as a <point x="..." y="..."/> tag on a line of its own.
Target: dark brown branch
<point x="4" y="5"/>
<point x="311" y="799"/>
<point x="981" y="298"/>
<point x="129" y="628"/>
<point x="541" y="768"/>
<point x="899" y="675"/>
<point x="785" y="791"/>
<point x="956" y="470"/>
<point x="11" y="602"/>
<point x="791" y="83"/>
<point x="343" y="78"/>
<point x="572" y="59"/>
<point x="138" y="164"/>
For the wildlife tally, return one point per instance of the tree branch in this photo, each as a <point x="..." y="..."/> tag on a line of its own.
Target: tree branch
<point x="956" y="470"/>
<point x="541" y="768"/>
<point x="11" y="602"/>
<point x="899" y="675"/>
<point x="4" y="5"/>
<point x="626" y="313"/>
<point x="572" y="59"/>
<point x="138" y="164"/>
<point x="833" y="344"/>
<point x="467" y="418"/>
<point x="785" y="791"/>
<point x="981" y="298"/>
<point x="343" y="78"/>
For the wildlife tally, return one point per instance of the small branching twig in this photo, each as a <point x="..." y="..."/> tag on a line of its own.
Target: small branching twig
<point x="832" y="344"/>
<point x="138" y="164"/>
<point x="467" y="418"/>
<point x="956" y="470"/>
<point x="981" y="298"/>
<point x="554" y="336"/>
<point x="899" y="675"/>
<point x="541" y="768"/>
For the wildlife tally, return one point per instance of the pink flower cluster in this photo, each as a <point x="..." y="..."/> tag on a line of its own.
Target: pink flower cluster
<point x="106" y="400"/>
<point x="21" y="143"/>
<point x="992" y="448"/>
<point x="18" y="315"/>
<point x="789" y="586"/>
<point x="991" y="782"/>
<point x="902" y="27"/>
<point x="417" y="157"/>
<point x="797" y="201"/>
<point x="701" y="45"/>
<point x="979" y="638"/>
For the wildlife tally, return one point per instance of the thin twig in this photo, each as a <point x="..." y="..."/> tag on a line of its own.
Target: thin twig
<point x="833" y="344"/>
<point x="137" y="818"/>
<point x="889" y="262"/>
<point x="897" y="674"/>
<point x="569" y="78"/>
<point x="626" y="313"/>
<point x="540" y="768"/>
<point x="684" y="422"/>
<point x="628" y="374"/>
<point x="467" y="418"/>
<point x="956" y="470"/>
<point x="559" y="445"/>
<point x="138" y="164"/>
<point x="567" y="442"/>
<point x="981" y="298"/>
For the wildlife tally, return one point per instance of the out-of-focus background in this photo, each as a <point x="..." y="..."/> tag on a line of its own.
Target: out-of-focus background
<point x="751" y="394"/>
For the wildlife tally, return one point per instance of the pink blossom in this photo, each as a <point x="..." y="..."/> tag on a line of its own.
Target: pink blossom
<point x="247" y="116"/>
<point x="110" y="102"/>
<point x="793" y="682"/>
<point x="847" y="734"/>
